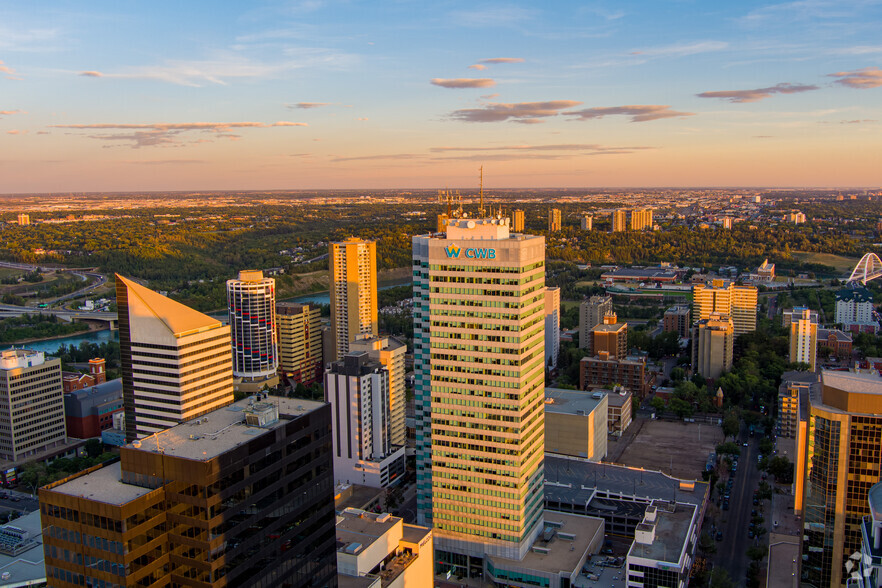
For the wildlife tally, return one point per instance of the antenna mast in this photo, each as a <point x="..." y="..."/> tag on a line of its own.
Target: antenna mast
<point x="481" y="208"/>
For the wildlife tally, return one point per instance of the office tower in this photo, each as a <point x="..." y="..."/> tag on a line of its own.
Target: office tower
<point x="252" y="307"/>
<point x="241" y="497"/>
<point x="552" y="325"/>
<point x="591" y="313"/>
<point x="804" y="339"/>
<point x="842" y="464"/>
<point x="300" y="342"/>
<point x="610" y="337"/>
<point x="389" y="352"/>
<point x="517" y="221"/>
<point x="587" y="222"/>
<point x="712" y="345"/>
<point x="678" y="320"/>
<point x="353" y="264"/>
<point x="619" y="220"/>
<point x="554" y="222"/>
<point x="441" y="223"/>
<point x="479" y="353"/>
<point x="358" y="390"/>
<point x="24" y="219"/>
<point x="176" y="362"/>
<point x="31" y="404"/>
<point x="641" y="219"/>
<point x="791" y="314"/>
<point x="854" y="310"/>
<point x="724" y="297"/>
<point x="868" y="572"/>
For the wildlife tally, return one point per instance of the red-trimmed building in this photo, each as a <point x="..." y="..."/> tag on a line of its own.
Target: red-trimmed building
<point x="71" y="381"/>
<point x="89" y="411"/>
<point x="837" y="341"/>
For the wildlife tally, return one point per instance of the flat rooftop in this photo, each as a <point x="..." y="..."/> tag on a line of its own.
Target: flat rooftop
<point x="220" y="431"/>
<point x="357" y="530"/>
<point x="415" y="533"/>
<point x="619" y="399"/>
<point x="27" y="567"/>
<point x="344" y="581"/>
<point x="102" y="485"/>
<point x="784" y="550"/>
<point x="671" y="534"/>
<point x="861" y="383"/>
<point x="571" y="401"/>
<point x="564" y="554"/>
<point x="575" y="480"/>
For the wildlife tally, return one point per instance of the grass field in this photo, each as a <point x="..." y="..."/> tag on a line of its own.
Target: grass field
<point x="842" y="264"/>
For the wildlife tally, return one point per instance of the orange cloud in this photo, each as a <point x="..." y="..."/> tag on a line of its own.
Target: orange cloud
<point x="502" y="60"/>
<point x="478" y="66"/>
<point x="522" y="112"/>
<point x="91" y="74"/>
<point x="637" y="112"/>
<point x="862" y="79"/>
<point x="166" y="134"/>
<point x="463" y="82"/>
<point x="307" y="105"/>
<point x="757" y="94"/>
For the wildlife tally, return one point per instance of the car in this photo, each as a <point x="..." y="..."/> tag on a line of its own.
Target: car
<point x="725" y="506"/>
<point x="776" y="524"/>
<point x="750" y="534"/>
<point x="744" y="444"/>
<point x="753" y="513"/>
<point x="719" y="535"/>
<point x="755" y="502"/>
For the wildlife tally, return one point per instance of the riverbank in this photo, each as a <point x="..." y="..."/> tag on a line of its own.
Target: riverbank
<point x="96" y="336"/>
<point x="93" y="326"/>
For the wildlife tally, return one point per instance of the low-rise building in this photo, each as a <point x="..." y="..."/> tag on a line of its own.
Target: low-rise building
<point x="71" y="381"/>
<point x="89" y="411"/>
<point x="664" y="546"/>
<point x="576" y="423"/>
<point x="604" y="372"/>
<point x="21" y="552"/>
<point x="620" y="410"/>
<point x="654" y="275"/>
<point x="375" y="550"/>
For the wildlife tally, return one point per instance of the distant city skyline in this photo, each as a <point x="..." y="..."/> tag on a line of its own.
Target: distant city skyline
<point x="328" y="94"/>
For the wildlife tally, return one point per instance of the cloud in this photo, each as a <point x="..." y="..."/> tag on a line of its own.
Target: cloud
<point x="683" y="49"/>
<point x="168" y="134"/>
<point x="308" y="105"/>
<point x="16" y="132"/>
<point x="6" y="69"/>
<point x="379" y="157"/>
<point x="362" y="118"/>
<point x="478" y="66"/>
<point x="523" y="112"/>
<point x="741" y="96"/>
<point x="166" y="162"/>
<point x="862" y="79"/>
<point x="463" y="82"/>
<point x="91" y="74"/>
<point x="637" y="112"/>
<point x="502" y="60"/>
<point x="10" y="112"/>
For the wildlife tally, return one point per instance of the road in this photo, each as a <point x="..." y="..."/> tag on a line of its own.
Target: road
<point x="732" y="551"/>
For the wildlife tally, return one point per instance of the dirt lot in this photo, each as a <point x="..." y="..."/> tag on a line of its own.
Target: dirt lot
<point x="663" y="444"/>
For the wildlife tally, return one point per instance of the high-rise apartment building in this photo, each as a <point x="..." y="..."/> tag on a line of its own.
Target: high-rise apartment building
<point x="677" y="319"/>
<point x="479" y="350"/>
<point x="241" y="497"/>
<point x="441" y="223"/>
<point x="299" y="334"/>
<point x="610" y="337"/>
<point x="552" y="325"/>
<point x="517" y="221"/>
<point x="842" y="464"/>
<point x="724" y="297"/>
<point x="726" y="222"/>
<point x="591" y="313"/>
<point x="854" y="310"/>
<point x="176" y="362"/>
<point x="554" y="219"/>
<point x="353" y="265"/>
<point x="31" y="404"/>
<point x="389" y="352"/>
<point x="587" y="222"/>
<point x="641" y="219"/>
<point x="358" y="390"/>
<point x="791" y="314"/>
<point x="24" y="218"/>
<point x="804" y="339"/>
<point x="713" y="341"/>
<point x="619" y="220"/>
<point x="252" y="307"/>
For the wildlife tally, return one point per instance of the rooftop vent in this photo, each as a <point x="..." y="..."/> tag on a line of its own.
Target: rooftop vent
<point x="262" y="414"/>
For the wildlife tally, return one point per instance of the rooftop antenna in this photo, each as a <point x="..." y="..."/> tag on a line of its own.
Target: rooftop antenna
<point x="481" y="208"/>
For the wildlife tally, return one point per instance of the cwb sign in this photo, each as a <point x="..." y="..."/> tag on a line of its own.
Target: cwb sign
<point x="470" y="252"/>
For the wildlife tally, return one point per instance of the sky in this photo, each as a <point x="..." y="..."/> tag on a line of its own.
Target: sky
<point x="344" y="94"/>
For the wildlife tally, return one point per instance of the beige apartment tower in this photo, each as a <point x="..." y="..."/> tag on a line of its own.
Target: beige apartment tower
<point x="610" y="337"/>
<point x="713" y="341"/>
<point x="31" y="404"/>
<point x="587" y="222"/>
<point x="177" y="363"/>
<point x="591" y="313"/>
<point x="389" y="352"/>
<point x="353" y="266"/>
<point x="554" y="219"/>
<point x="804" y="339"/>
<point x="619" y="220"/>
<point x="299" y="331"/>
<point x="739" y="302"/>
<point x="479" y="338"/>
<point x="517" y="221"/>
<point x="641" y="219"/>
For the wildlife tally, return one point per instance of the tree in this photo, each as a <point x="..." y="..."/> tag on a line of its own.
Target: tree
<point x="731" y="424"/>
<point x="728" y="448"/>
<point x="706" y="544"/>
<point x="764" y="491"/>
<point x="780" y="467"/>
<point x="678" y="374"/>
<point x="657" y="404"/>
<point x="720" y="579"/>
<point x="681" y="408"/>
<point x="94" y="447"/>
<point x="756" y="553"/>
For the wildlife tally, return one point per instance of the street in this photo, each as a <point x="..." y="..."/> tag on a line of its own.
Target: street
<point x="731" y="551"/>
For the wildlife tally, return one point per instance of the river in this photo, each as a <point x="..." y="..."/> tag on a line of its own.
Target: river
<point x="52" y="345"/>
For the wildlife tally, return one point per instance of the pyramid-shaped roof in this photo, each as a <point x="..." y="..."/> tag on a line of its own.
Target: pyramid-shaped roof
<point x="179" y="319"/>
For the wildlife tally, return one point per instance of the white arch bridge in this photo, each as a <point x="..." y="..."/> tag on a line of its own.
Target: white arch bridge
<point x="868" y="268"/>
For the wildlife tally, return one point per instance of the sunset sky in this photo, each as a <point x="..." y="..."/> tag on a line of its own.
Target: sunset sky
<point x="129" y="96"/>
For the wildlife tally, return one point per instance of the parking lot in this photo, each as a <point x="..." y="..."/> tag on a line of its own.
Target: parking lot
<point x="673" y="447"/>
